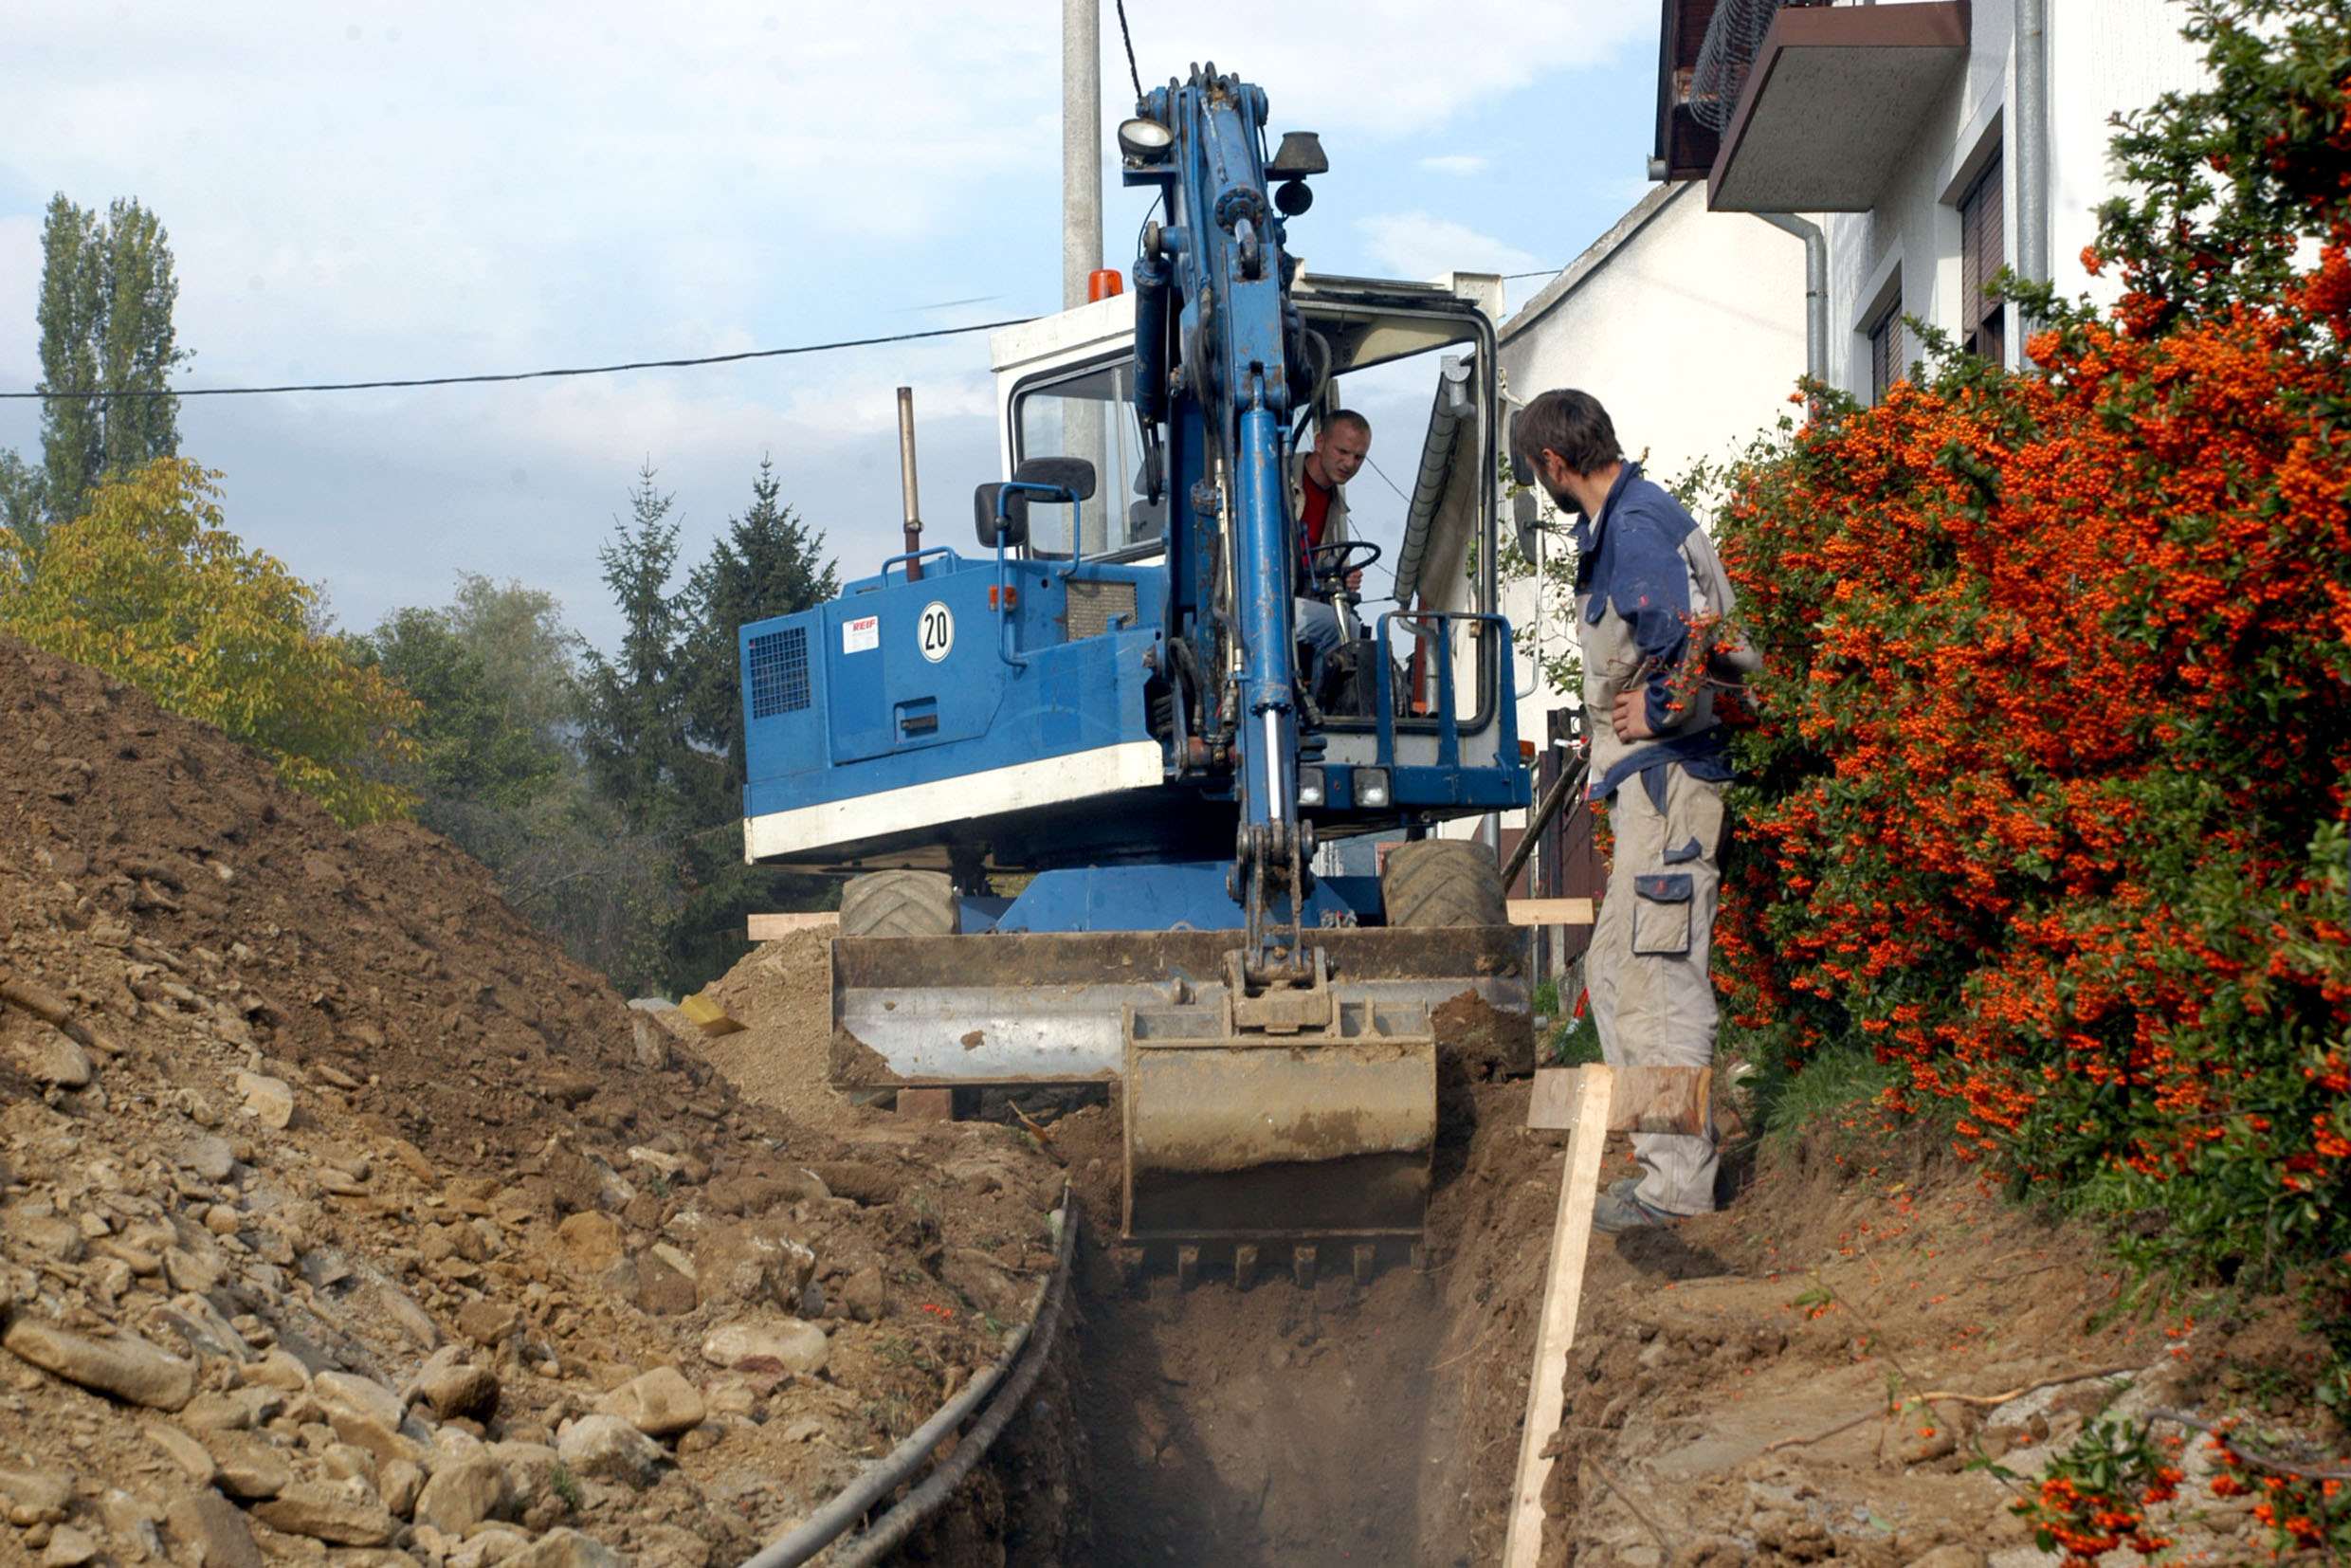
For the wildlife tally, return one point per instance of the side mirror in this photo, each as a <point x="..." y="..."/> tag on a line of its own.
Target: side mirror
<point x="1524" y="511"/>
<point x="1073" y="474"/>
<point x="1015" y="521"/>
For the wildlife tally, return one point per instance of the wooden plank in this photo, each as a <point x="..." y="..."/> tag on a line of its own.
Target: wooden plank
<point x="767" y="928"/>
<point x="1647" y="1100"/>
<point x="1563" y="1288"/>
<point x="1549" y="912"/>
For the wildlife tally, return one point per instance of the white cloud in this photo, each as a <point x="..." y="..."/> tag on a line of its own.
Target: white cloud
<point x="1417" y="245"/>
<point x="1455" y="163"/>
<point x="1379" y="69"/>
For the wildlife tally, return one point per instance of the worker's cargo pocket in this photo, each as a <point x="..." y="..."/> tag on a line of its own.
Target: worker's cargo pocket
<point x="1661" y="914"/>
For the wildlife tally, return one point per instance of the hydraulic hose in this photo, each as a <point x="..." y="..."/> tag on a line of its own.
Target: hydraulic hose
<point x="834" y="1519"/>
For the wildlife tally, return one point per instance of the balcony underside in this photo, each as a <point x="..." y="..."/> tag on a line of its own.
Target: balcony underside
<point x="1835" y="98"/>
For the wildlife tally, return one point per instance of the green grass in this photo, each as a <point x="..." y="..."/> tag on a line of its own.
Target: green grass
<point x="1833" y="1090"/>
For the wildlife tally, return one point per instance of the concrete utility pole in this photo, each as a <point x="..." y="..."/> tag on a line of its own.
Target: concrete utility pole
<point x="1081" y="147"/>
<point x="1082" y="429"/>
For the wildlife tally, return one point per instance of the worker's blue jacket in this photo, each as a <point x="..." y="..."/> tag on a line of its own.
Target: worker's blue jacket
<point x="1645" y="575"/>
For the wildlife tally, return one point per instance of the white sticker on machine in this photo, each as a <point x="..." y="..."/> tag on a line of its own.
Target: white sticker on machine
<point x="935" y="633"/>
<point x="862" y="634"/>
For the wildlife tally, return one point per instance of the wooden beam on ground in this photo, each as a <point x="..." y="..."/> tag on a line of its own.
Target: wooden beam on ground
<point x="767" y="928"/>
<point x="1647" y="1100"/>
<point x="1548" y="912"/>
<point x="1589" y="1095"/>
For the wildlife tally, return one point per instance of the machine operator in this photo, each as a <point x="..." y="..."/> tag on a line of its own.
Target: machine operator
<point x="1319" y="501"/>
<point x="1651" y="599"/>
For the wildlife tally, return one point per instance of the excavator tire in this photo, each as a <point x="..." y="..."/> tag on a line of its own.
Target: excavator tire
<point x="900" y="903"/>
<point x="1439" y="882"/>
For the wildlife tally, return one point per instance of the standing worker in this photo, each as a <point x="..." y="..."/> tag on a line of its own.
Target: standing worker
<point x="1649" y="596"/>
<point x="1319" y="501"/>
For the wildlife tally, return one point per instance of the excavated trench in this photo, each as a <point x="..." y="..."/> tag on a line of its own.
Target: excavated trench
<point x="1340" y="1424"/>
<point x="1271" y="1425"/>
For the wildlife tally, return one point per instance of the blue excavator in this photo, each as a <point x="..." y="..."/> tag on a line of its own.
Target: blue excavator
<point x="1105" y="817"/>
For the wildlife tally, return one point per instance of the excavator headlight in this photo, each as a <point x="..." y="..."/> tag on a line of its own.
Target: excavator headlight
<point x="1146" y="140"/>
<point x="1371" y="787"/>
<point x="1310" y="790"/>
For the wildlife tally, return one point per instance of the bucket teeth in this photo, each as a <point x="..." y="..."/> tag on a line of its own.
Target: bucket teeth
<point x="1365" y="1260"/>
<point x="1243" y="1265"/>
<point x="1302" y="1266"/>
<point x="1187" y="1267"/>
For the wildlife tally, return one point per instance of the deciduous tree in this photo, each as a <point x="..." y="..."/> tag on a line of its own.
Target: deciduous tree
<point x="150" y="585"/>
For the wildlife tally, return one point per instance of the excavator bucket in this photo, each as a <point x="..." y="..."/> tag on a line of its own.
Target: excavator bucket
<point x="1294" y="1114"/>
<point x="1298" y="1115"/>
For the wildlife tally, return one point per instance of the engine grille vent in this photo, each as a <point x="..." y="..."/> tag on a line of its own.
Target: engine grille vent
<point x="780" y="674"/>
<point x="1094" y="604"/>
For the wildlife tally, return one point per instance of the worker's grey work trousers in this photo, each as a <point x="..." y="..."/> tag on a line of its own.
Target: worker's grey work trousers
<point x="1651" y="998"/>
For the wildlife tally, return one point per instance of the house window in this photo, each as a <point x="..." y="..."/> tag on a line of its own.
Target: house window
<point x="1885" y="356"/>
<point x="1983" y="318"/>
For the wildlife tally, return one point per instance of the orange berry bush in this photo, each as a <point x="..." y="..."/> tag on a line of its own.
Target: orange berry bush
<point x="2046" y="801"/>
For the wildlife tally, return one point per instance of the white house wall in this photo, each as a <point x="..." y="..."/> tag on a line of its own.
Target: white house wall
<point x="2102" y="54"/>
<point x="2101" y="58"/>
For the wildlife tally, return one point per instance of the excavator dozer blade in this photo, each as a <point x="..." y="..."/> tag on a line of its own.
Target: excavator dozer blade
<point x="1001" y="1008"/>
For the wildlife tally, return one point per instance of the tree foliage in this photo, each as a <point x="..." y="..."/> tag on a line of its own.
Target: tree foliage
<point x="495" y="676"/>
<point x="2227" y="179"/>
<point x="635" y="734"/>
<point x="496" y="765"/>
<point x="604" y="789"/>
<point x="21" y="490"/>
<point x="151" y="586"/>
<point x="107" y="291"/>
<point x="663" y="719"/>
<point x="767" y="563"/>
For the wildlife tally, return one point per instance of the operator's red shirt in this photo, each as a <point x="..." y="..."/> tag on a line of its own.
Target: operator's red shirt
<point x="1318" y="510"/>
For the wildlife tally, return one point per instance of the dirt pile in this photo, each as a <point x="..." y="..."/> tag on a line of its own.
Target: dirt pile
<point x="1840" y="1366"/>
<point x="343" y="1219"/>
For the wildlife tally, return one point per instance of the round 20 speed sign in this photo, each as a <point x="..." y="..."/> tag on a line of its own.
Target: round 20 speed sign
<point x="935" y="633"/>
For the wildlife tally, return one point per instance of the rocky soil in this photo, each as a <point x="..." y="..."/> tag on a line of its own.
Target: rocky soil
<point x="343" y="1220"/>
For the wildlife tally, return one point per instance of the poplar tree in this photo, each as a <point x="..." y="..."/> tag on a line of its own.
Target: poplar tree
<point x="105" y="318"/>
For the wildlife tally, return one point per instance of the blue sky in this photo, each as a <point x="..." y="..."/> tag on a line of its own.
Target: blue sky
<point x="355" y="193"/>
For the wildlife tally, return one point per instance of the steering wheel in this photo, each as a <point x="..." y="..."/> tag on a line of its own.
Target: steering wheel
<point x="1330" y="565"/>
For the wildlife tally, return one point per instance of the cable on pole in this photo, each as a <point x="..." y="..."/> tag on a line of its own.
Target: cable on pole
<point x="535" y="375"/>
<point x="1129" y="39"/>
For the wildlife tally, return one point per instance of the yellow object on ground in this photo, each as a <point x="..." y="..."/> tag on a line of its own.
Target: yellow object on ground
<point x="707" y="1014"/>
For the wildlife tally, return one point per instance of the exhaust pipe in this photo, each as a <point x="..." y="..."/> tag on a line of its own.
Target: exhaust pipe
<point x="906" y="483"/>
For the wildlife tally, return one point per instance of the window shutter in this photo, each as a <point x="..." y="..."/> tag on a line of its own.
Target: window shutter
<point x="1981" y="256"/>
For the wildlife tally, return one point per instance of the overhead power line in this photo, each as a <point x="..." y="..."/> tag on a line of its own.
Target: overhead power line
<point x="535" y="375"/>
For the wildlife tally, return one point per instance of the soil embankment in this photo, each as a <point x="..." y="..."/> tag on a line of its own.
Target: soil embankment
<point x="341" y="1218"/>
